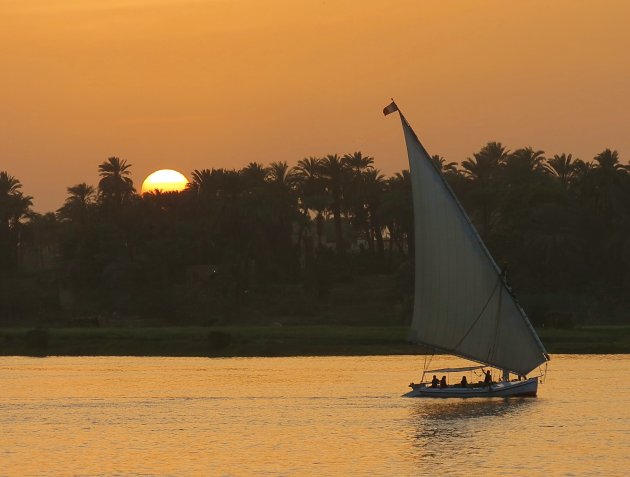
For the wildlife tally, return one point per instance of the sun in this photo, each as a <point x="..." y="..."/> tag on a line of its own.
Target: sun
<point x="164" y="180"/>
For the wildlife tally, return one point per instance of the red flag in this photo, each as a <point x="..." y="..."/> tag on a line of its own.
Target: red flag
<point x="390" y="108"/>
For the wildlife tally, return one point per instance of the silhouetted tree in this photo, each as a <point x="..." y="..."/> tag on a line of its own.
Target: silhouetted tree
<point x="396" y="211"/>
<point x="563" y="167"/>
<point x="311" y="191"/>
<point x="484" y="169"/>
<point x="115" y="186"/>
<point x="13" y="207"/>
<point x="334" y="174"/>
<point x="79" y="204"/>
<point x="442" y="165"/>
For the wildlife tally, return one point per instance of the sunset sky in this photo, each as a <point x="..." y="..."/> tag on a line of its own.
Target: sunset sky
<point x="219" y="83"/>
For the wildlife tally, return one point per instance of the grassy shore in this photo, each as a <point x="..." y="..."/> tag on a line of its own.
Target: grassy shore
<point x="268" y="341"/>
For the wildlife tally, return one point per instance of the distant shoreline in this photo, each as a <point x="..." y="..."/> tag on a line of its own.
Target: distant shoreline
<point x="249" y="341"/>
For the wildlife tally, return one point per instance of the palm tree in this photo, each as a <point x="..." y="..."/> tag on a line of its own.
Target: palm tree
<point x="280" y="174"/>
<point x="609" y="161"/>
<point x="610" y="181"/>
<point x="9" y="188"/>
<point x="524" y="162"/>
<point x="396" y="211"/>
<point x="309" y="168"/>
<point x="254" y="174"/>
<point x="13" y="207"/>
<point x="357" y="163"/>
<point x="207" y="184"/>
<point x="522" y="180"/>
<point x="307" y="176"/>
<point x="334" y="174"/>
<point x="115" y="186"/>
<point x="8" y="184"/>
<point x="308" y="181"/>
<point x="19" y="206"/>
<point x="607" y="195"/>
<point x="563" y="167"/>
<point x="485" y="164"/>
<point x="282" y="194"/>
<point x="81" y="198"/>
<point x="483" y="170"/>
<point x="442" y="165"/>
<point x="199" y="179"/>
<point x="13" y="204"/>
<point x="40" y="236"/>
<point x="374" y="186"/>
<point x="582" y="167"/>
<point x="355" y="193"/>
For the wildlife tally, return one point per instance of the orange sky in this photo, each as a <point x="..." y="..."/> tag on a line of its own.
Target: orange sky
<point x="190" y="84"/>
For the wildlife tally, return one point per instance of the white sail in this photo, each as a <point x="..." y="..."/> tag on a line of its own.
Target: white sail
<point x="462" y="304"/>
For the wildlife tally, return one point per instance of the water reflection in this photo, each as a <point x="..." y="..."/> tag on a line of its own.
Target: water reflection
<point x="439" y="429"/>
<point x="446" y="410"/>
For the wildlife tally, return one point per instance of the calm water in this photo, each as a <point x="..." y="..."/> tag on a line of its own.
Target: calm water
<point x="302" y="416"/>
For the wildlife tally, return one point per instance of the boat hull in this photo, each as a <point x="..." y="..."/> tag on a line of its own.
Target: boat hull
<point x="527" y="388"/>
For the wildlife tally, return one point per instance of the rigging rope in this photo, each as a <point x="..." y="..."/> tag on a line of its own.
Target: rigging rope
<point x="496" y="329"/>
<point x="543" y="374"/>
<point x="426" y="365"/>
<point x="480" y="313"/>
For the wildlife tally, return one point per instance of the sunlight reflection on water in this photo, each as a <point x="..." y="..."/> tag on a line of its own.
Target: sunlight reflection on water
<point x="302" y="416"/>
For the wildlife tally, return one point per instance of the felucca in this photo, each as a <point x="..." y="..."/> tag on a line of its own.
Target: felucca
<point x="462" y="304"/>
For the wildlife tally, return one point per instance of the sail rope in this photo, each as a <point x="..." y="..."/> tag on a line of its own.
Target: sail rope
<point x="496" y="330"/>
<point x="496" y="287"/>
<point x="426" y="365"/>
<point x="543" y="373"/>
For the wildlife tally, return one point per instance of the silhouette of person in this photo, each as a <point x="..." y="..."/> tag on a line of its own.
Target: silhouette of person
<point x="443" y="382"/>
<point x="464" y="382"/>
<point x="435" y="382"/>
<point x="488" y="379"/>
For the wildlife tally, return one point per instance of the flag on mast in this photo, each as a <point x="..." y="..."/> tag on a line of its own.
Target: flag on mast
<point x="391" y="108"/>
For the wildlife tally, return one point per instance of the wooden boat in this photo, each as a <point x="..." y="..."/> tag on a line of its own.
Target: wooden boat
<point x="523" y="387"/>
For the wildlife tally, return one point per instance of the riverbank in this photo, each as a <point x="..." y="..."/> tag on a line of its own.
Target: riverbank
<point x="269" y="341"/>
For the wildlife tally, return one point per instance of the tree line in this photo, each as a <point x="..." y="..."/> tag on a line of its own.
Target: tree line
<point x="278" y="238"/>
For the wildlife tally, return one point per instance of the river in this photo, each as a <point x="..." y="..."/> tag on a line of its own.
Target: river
<point x="324" y="416"/>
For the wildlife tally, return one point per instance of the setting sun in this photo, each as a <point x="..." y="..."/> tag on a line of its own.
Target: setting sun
<point x="165" y="180"/>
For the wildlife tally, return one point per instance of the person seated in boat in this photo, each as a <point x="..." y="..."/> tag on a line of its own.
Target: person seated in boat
<point x="464" y="382"/>
<point x="488" y="379"/>
<point x="443" y="382"/>
<point x="435" y="381"/>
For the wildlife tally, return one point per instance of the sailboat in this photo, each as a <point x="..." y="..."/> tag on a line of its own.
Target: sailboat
<point x="463" y="305"/>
